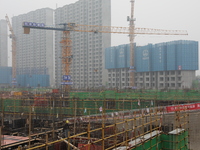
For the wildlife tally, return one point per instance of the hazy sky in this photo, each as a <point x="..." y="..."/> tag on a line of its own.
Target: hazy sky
<point x="158" y="14"/>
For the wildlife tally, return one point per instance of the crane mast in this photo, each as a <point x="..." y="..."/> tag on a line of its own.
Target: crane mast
<point x="66" y="56"/>
<point x="131" y="38"/>
<point x="13" y="37"/>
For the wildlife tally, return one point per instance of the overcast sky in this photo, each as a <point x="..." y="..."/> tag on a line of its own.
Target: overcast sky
<point x="158" y="14"/>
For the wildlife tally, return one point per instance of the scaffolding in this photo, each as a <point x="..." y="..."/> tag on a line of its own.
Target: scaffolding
<point x="139" y="120"/>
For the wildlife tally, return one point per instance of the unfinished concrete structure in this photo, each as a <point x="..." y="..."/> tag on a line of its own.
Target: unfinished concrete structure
<point x="107" y="119"/>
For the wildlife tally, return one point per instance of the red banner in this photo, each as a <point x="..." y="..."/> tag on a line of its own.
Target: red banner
<point x="183" y="107"/>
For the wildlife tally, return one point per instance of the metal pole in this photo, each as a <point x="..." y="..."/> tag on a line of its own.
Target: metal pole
<point x="29" y="121"/>
<point x="103" y="124"/>
<point x="46" y="141"/>
<point x="75" y="116"/>
<point x="89" y="135"/>
<point x="53" y="118"/>
<point x="0" y="137"/>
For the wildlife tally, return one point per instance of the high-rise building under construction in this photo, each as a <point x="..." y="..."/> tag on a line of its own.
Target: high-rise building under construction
<point x="167" y="65"/>
<point x="34" y="51"/>
<point x="3" y="43"/>
<point x="87" y="69"/>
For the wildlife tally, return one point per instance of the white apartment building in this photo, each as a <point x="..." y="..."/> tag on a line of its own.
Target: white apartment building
<point x="35" y="50"/>
<point x="87" y="68"/>
<point x="177" y="79"/>
<point x="118" y="78"/>
<point x="3" y="43"/>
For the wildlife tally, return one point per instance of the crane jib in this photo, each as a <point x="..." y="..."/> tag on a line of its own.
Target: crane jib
<point x="42" y="26"/>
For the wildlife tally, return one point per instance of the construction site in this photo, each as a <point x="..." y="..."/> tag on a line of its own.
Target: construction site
<point x="91" y="118"/>
<point x="100" y="120"/>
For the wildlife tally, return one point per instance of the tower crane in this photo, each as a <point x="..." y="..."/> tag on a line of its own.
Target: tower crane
<point x="69" y="27"/>
<point x="133" y="32"/>
<point x="13" y="37"/>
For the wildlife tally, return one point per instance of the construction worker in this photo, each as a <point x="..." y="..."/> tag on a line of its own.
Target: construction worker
<point x="66" y="128"/>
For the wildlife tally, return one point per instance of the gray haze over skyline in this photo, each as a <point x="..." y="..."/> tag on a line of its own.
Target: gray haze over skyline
<point x="158" y="14"/>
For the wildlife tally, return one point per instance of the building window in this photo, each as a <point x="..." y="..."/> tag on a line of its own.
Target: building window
<point x="161" y="73"/>
<point x="172" y="78"/>
<point x="173" y="85"/>
<point x="179" y="84"/>
<point x="147" y="79"/>
<point x="173" y="73"/>
<point x="161" y="78"/>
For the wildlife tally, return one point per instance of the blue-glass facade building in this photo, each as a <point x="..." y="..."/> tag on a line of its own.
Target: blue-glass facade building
<point x="23" y="80"/>
<point x="33" y="80"/>
<point x="5" y="76"/>
<point x="163" y="65"/>
<point x="143" y="58"/>
<point x="175" y="55"/>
